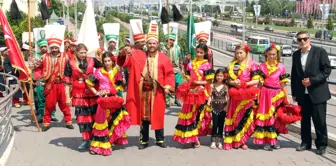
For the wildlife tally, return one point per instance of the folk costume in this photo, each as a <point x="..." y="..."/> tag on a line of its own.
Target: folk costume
<point x="53" y="73"/>
<point x="111" y="31"/>
<point x="239" y="125"/>
<point x="271" y="98"/>
<point x="174" y="53"/>
<point x="41" y="41"/>
<point x="84" y="101"/>
<point x="145" y="99"/>
<point x="202" y="30"/>
<point x="6" y="67"/>
<point x="111" y="119"/>
<point x="195" y="117"/>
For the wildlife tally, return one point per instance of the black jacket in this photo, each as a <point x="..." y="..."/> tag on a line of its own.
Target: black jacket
<point x="317" y="70"/>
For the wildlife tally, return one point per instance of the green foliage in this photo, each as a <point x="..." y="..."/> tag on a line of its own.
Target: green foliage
<point x="268" y="19"/>
<point x="292" y="23"/>
<point x="215" y="23"/>
<point x="310" y="23"/>
<point x="21" y="25"/>
<point x="81" y="7"/>
<point x="57" y="6"/>
<point x="330" y="24"/>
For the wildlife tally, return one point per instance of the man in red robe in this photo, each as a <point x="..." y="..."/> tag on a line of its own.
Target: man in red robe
<point x="151" y="76"/>
<point x="53" y="65"/>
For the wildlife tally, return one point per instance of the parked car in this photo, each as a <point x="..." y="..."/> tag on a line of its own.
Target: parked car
<point x="269" y="29"/>
<point x="332" y="60"/>
<point x="291" y="34"/>
<point x="327" y="34"/>
<point x="231" y="47"/>
<point x="252" y="27"/>
<point x="286" y="50"/>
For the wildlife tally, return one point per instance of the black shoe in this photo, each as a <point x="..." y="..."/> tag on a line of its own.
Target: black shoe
<point x="303" y="148"/>
<point x="54" y="119"/>
<point x="70" y="126"/>
<point x="40" y="121"/>
<point x="143" y="146"/>
<point x="45" y="128"/>
<point x="320" y="152"/>
<point x="177" y="103"/>
<point x="162" y="145"/>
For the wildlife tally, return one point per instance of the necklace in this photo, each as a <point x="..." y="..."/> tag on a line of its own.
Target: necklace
<point x="196" y="64"/>
<point x="271" y="68"/>
<point x="231" y="73"/>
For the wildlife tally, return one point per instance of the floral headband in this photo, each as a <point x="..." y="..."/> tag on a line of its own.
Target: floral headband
<point x="272" y="45"/>
<point x="247" y="48"/>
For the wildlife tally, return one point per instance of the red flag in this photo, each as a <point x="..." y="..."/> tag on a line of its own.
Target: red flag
<point x="47" y="2"/>
<point x="15" y="55"/>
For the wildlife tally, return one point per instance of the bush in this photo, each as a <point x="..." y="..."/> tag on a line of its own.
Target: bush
<point x="292" y="22"/>
<point x="215" y="23"/>
<point x="267" y="20"/>
<point x="310" y="23"/>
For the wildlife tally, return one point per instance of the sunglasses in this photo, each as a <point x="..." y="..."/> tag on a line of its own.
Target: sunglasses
<point x="304" y="39"/>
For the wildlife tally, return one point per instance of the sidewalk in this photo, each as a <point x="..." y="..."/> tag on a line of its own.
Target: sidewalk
<point x="58" y="147"/>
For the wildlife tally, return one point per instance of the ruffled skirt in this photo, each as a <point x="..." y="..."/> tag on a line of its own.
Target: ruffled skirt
<point x="267" y="127"/>
<point x="239" y="124"/>
<point x="109" y="128"/>
<point x="193" y="121"/>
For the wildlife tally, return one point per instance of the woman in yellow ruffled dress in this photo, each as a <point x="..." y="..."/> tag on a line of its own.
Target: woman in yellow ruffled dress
<point x="111" y="119"/>
<point x="195" y="117"/>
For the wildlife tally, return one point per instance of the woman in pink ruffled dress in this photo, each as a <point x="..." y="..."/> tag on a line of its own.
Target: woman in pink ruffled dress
<point x="273" y="94"/>
<point x="111" y="119"/>
<point x="244" y="78"/>
<point x="194" y="120"/>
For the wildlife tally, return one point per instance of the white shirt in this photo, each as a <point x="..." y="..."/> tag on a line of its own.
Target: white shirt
<point x="304" y="57"/>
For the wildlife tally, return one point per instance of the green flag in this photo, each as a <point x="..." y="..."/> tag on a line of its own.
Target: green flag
<point x="191" y="36"/>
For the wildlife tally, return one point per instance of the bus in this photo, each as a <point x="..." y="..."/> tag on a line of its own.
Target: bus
<point x="236" y="29"/>
<point x="258" y="44"/>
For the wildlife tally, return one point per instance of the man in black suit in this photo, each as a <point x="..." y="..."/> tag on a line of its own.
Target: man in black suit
<point x="310" y="70"/>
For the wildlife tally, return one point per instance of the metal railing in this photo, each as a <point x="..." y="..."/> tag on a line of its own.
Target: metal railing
<point x="6" y="126"/>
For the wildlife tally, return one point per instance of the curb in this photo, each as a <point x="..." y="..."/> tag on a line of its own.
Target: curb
<point x="5" y="156"/>
<point x="296" y="128"/>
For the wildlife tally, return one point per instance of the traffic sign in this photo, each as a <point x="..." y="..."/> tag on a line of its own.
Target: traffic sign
<point x="256" y="10"/>
<point x="325" y="11"/>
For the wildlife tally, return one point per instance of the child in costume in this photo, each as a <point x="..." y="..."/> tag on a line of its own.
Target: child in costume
<point x="111" y="119"/>
<point x="218" y="101"/>
<point x="273" y="94"/>
<point x="244" y="78"/>
<point x="195" y="117"/>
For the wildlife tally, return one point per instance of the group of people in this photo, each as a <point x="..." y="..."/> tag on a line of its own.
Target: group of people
<point x="231" y="104"/>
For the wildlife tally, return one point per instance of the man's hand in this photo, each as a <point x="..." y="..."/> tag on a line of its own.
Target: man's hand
<point x="167" y="91"/>
<point x="306" y="82"/>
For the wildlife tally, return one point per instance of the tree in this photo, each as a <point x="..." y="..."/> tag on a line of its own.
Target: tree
<point x="292" y="23"/>
<point x="310" y="23"/>
<point x="268" y="19"/>
<point x="330" y="25"/>
<point x="56" y="5"/>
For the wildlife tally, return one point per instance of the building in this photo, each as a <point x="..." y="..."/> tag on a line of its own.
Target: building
<point x="22" y="5"/>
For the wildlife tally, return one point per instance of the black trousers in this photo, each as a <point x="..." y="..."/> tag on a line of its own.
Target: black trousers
<point x="318" y="113"/>
<point x="218" y="124"/>
<point x="144" y="133"/>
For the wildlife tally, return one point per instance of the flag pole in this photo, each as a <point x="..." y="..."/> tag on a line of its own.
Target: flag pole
<point x="30" y="94"/>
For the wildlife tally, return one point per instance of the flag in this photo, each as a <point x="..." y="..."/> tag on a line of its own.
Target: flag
<point x="44" y="10"/>
<point x="47" y="2"/>
<point x="15" y="55"/>
<point x="191" y="36"/>
<point x="88" y="31"/>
